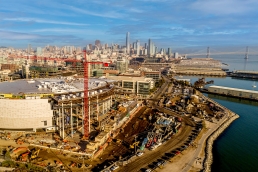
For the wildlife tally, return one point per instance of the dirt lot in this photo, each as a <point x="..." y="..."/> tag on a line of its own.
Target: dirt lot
<point x="117" y="149"/>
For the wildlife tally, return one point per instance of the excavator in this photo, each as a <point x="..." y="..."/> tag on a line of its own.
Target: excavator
<point x="134" y="144"/>
<point x="35" y="154"/>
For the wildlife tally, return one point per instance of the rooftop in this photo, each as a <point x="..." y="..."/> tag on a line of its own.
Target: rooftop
<point x="51" y="85"/>
<point x="234" y="89"/>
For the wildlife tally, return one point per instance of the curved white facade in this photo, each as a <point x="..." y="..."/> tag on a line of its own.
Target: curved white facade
<point x="25" y="113"/>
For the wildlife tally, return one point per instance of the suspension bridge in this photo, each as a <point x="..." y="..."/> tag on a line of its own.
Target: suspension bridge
<point x="208" y="52"/>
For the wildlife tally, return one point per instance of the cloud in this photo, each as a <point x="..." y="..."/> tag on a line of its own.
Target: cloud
<point x="154" y="0"/>
<point x="225" y="7"/>
<point x="68" y="30"/>
<point x="135" y="10"/>
<point x="108" y="14"/>
<point x="32" y="8"/>
<point x="181" y="30"/>
<point x="21" y="19"/>
<point x="9" y="35"/>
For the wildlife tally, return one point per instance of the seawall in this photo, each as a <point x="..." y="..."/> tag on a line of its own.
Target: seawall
<point x="209" y="142"/>
<point x="231" y="116"/>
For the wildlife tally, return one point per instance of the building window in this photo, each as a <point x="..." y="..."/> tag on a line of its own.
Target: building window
<point x="128" y="85"/>
<point x="45" y="123"/>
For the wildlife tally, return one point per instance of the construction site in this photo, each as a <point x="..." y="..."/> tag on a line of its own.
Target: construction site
<point x="50" y="113"/>
<point x="43" y="122"/>
<point x="59" y="121"/>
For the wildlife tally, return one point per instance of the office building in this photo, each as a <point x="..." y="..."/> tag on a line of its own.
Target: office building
<point x="122" y="64"/>
<point x="97" y="43"/>
<point x="39" y="51"/>
<point x="137" y="47"/>
<point x="169" y="52"/>
<point x="151" y="48"/>
<point x="127" y="43"/>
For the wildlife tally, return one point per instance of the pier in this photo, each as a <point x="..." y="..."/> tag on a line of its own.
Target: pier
<point x="232" y="92"/>
<point x="244" y="74"/>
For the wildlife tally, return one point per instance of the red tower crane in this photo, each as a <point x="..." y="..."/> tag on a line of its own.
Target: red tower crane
<point x="86" y="121"/>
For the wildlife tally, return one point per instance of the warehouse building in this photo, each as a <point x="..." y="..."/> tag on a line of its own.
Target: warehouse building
<point x="233" y="92"/>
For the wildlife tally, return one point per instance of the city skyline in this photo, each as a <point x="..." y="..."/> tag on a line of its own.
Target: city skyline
<point x="174" y="23"/>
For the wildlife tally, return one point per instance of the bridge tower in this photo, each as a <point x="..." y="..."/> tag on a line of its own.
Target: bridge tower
<point x="208" y="52"/>
<point x="246" y="54"/>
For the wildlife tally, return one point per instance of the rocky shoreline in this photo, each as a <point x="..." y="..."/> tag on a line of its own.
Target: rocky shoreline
<point x="231" y="116"/>
<point x="208" y="160"/>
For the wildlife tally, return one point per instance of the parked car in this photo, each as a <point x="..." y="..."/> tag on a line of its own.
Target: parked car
<point x="139" y="154"/>
<point x="113" y="168"/>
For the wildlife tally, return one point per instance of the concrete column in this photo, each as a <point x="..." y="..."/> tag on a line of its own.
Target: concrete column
<point x="82" y="118"/>
<point x="97" y="107"/>
<point x="77" y="117"/>
<point x="63" y="120"/>
<point x="71" y="120"/>
<point x="103" y="108"/>
<point x="59" y="121"/>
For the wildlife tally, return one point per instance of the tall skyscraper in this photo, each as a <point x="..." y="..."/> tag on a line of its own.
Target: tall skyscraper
<point x="97" y="43"/>
<point x="29" y="48"/>
<point x="169" y="52"/>
<point x="146" y="46"/>
<point x="151" y="48"/>
<point x="134" y="45"/>
<point x="127" y="43"/>
<point x="137" y="47"/>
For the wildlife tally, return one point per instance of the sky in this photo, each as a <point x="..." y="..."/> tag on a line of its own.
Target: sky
<point x="169" y="23"/>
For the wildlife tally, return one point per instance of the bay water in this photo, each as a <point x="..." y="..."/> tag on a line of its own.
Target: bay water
<point x="236" y="149"/>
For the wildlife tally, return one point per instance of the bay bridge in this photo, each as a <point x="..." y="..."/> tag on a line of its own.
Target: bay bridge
<point x="208" y="52"/>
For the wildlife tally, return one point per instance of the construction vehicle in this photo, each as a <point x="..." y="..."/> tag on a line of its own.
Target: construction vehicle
<point x="73" y="164"/>
<point x="25" y="157"/>
<point x="35" y="154"/>
<point x="135" y="144"/>
<point x="118" y="141"/>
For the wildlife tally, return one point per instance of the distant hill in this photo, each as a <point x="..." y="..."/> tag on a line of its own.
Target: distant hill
<point x="3" y="47"/>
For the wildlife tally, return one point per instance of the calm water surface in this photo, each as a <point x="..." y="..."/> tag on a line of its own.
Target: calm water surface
<point x="236" y="150"/>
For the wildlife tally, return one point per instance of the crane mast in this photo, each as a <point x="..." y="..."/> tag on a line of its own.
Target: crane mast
<point x="86" y="98"/>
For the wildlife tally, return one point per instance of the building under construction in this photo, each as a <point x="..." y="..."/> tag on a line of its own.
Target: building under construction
<point x="57" y="104"/>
